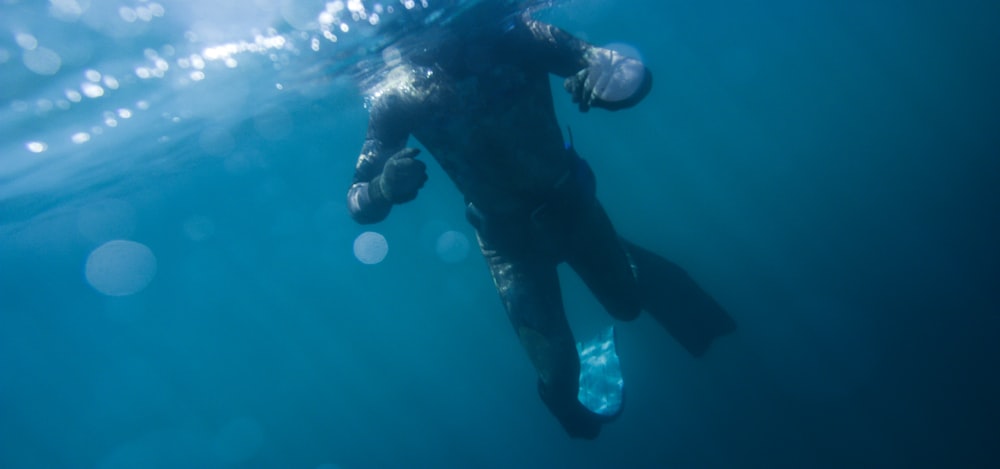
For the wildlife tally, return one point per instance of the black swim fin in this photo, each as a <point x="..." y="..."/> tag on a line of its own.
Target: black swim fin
<point x="673" y="298"/>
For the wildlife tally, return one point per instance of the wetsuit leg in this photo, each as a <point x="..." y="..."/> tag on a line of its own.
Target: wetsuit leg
<point x="595" y="252"/>
<point x="626" y="278"/>
<point x="529" y="288"/>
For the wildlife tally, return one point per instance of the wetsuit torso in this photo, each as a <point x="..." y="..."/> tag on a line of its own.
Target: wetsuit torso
<point x="483" y="108"/>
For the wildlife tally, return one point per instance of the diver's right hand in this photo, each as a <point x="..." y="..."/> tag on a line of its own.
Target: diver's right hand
<point x="401" y="178"/>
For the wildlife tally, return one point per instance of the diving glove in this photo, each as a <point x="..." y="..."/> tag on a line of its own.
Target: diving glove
<point x="401" y="178"/>
<point x="611" y="81"/>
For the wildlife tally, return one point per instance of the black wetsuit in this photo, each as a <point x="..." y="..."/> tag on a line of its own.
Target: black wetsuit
<point x="480" y="101"/>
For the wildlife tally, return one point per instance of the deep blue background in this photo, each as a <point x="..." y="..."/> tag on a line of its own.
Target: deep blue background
<point x="828" y="170"/>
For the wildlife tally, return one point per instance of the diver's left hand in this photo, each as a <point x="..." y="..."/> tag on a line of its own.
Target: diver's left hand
<point x="401" y="178"/>
<point x="611" y="81"/>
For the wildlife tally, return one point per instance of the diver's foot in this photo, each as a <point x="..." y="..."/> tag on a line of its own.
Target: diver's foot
<point x="572" y="415"/>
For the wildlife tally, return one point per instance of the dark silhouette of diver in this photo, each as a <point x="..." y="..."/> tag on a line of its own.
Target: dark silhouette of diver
<point x="475" y="92"/>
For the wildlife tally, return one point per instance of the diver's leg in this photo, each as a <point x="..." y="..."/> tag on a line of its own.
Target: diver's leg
<point x="676" y="301"/>
<point x="626" y="278"/>
<point x="529" y="289"/>
<point x="595" y="252"/>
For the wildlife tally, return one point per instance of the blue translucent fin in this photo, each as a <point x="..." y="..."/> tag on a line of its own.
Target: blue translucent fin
<point x="601" y="384"/>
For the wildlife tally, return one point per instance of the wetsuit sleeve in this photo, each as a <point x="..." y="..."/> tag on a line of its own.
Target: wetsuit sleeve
<point x="386" y="135"/>
<point x="596" y="76"/>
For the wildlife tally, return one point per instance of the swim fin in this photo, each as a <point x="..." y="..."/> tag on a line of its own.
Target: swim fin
<point x="673" y="298"/>
<point x="601" y="384"/>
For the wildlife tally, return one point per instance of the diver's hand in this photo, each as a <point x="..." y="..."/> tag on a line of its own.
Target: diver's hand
<point x="401" y="178"/>
<point x="611" y="81"/>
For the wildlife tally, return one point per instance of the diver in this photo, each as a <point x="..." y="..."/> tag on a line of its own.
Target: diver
<point x="475" y="92"/>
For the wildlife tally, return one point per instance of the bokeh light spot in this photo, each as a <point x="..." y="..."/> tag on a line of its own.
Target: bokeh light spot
<point x="43" y="105"/>
<point x="91" y="90"/>
<point x="26" y="41"/>
<point x="127" y="14"/>
<point x="36" y="147"/>
<point x="370" y="247"/>
<point x="452" y="246"/>
<point x="120" y="268"/>
<point x="67" y="10"/>
<point x="42" y="61"/>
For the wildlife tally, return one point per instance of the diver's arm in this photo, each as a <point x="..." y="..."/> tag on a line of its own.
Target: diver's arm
<point x="365" y="208"/>
<point x="595" y="76"/>
<point x="386" y="172"/>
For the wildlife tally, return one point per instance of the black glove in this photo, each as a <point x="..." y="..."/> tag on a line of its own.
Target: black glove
<point x="611" y="81"/>
<point x="401" y="178"/>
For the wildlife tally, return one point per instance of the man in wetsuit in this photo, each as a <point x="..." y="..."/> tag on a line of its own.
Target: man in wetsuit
<point x="475" y="92"/>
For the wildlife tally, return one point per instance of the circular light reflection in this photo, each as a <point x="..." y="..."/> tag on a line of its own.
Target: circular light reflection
<point x="127" y="14"/>
<point x="452" y="247"/>
<point x="36" y="147"/>
<point x="120" y="268"/>
<point x="42" y="61"/>
<point x="26" y="41"/>
<point x="91" y="90"/>
<point x="67" y="10"/>
<point x="370" y="247"/>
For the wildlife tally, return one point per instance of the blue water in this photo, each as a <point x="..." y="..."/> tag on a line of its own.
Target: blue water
<point x="828" y="170"/>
